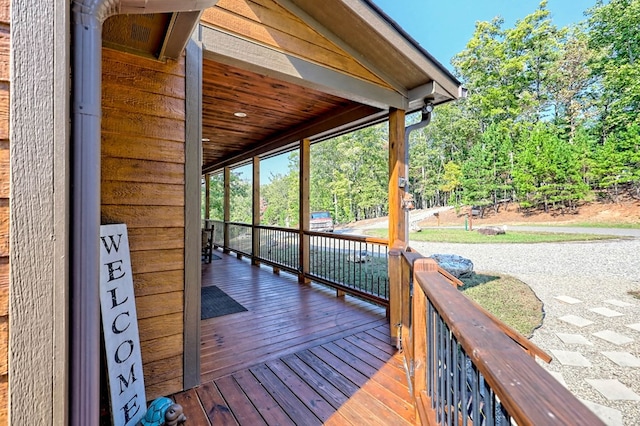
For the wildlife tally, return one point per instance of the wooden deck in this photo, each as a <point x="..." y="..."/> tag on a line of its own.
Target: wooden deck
<point x="299" y="355"/>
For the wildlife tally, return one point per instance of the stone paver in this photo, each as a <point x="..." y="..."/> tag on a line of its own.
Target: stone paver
<point x="568" y="299"/>
<point x="613" y="390"/>
<point x="576" y="320"/>
<point x="606" y="312"/>
<point x="559" y="377"/>
<point x="575" y="339"/>
<point x="613" y="337"/>
<point x="636" y="327"/>
<point x="610" y="416"/>
<point x="571" y="358"/>
<point x="619" y="303"/>
<point x="623" y="359"/>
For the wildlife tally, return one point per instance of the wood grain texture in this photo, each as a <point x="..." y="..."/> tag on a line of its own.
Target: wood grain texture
<point x="142" y="193"/>
<point x="144" y="216"/>
<point x="5" y="45"/>
<point x="115" y="146"/>
<point x="4" y="340"/>
<point x="4" y="167"/>
<point x="4" y="227"/>
<point x="161" y="348"/>
<point x="351" y="377"/>
<point x="270" y="24"/>
<point x="157" y="282"/>
<point x="141" y="239"/>
<point x="143" y="156"/>
<point x="157" y="260"/>
<point x="4" y="110"/>
<point x="4" y="396"/>
<point x="159" y="304"/>
<point x="163" y="370"/>
<point x="5" y="7"/>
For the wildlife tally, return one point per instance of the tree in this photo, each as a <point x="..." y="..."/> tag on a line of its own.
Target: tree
<point x="547" y="173"/>
<point x="614" y="34"/>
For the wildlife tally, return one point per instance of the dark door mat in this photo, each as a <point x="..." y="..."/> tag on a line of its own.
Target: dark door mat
<point x="216" y="303"/>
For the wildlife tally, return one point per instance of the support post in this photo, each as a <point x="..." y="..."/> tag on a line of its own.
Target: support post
<point x="419" y="337"/>
<point x="226" y="207"/>
<point x="207" y="197"/>
<point x="395" y="293"/>
<point x="397" y="170"/>
<point x="255" y="232"/>
<point x="304" y="220"/>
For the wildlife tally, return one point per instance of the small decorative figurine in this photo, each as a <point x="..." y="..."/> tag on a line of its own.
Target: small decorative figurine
<point x="163" y="412"/>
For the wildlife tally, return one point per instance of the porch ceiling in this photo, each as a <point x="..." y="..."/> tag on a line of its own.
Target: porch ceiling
<point x="278" y="114"/>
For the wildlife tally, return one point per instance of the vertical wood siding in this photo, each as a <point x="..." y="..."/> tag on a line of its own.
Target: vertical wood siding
<point x="143" y="156"/>
<point x="4" y="206"/>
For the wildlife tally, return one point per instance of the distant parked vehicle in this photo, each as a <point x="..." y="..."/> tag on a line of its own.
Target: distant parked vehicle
<point x="321" y="222"/>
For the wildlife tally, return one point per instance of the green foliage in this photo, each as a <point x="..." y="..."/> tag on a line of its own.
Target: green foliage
<point x="547" y="173"/>
<point x="551" y="119"/>
<point x="614" y="35"/>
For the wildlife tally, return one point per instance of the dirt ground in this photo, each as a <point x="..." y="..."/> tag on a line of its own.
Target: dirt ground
<point x="613" y="213"/>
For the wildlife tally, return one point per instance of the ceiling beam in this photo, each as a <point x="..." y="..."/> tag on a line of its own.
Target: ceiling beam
<point x="310" y="130"/>
<point x="232" y="50"/>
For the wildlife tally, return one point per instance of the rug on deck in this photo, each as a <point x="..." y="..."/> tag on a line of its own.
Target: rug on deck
<point x="216" y="303"/>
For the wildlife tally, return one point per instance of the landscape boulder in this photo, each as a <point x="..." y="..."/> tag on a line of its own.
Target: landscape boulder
<point x="458" y="266"/>
<point x="492" y="230"/>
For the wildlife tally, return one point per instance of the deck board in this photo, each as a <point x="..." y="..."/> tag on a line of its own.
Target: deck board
<point x="299" y="355"/>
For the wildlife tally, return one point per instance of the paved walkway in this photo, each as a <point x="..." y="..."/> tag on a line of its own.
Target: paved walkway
<point x="592" y="324"/>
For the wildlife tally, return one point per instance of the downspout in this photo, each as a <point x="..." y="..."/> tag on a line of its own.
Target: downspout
<point x="88" y="17"/>
<point x="427" y="109"/>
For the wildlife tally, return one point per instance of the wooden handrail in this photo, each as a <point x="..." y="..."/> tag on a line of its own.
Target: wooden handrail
<point x="528" y="346"/>
<point x="528" y="392"/>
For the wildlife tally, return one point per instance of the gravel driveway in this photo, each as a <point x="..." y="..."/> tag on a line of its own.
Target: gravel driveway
<point x="588" y="280"/>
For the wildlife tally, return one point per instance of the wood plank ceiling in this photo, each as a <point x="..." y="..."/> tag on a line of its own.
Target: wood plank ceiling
<point x="277" y="114"/>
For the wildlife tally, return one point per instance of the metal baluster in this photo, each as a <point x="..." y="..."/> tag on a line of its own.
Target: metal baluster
<point x="490" y="405"/>
<point x="430" y="352"/>
<point x="475" y="396"/>
<point x="465" y="389"/>
<point x="450" y="415"/>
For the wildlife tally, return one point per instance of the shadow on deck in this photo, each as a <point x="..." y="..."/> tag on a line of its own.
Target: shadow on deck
<point x="298" y="355"/>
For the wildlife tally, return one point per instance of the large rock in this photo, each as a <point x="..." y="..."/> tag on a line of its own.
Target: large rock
<point x="458" y="266"/>
<point x="492" y="230"/>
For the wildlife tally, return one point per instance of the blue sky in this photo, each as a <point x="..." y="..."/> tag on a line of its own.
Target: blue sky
<point x="445" y="27"/>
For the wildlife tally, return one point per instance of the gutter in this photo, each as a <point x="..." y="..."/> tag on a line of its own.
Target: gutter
<point x="84" y="336"/>
<point x="427" y="110"/>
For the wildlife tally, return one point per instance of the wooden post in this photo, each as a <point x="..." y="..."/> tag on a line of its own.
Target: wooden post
<point x="397" y="163"/>
<point x="255" y="240"/>
<point x="418" y="328"/>
<point x="304" y="211"/>
<point x="395" y="293"/>
<point x="227" y="207"/>
<point x="207" y="197"/>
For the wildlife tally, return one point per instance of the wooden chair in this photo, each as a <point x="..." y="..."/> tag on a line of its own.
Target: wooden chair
<point x="207" y="244"/>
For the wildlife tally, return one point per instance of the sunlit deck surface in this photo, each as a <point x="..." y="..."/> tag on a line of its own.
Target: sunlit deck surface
<point x="299" y="355"/>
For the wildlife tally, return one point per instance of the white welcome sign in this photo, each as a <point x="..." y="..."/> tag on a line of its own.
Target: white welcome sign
<point x="120" y="325"/>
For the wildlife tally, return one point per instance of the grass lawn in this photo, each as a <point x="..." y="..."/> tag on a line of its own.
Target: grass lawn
<point x="507" y="298"/>
<point x="452" y="235"/>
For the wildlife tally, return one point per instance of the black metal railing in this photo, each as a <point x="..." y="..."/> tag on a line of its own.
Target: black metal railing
<point x="458" y="391"/>
<point x="240" y="238"/>
<point x="279" y="247"/>
<point x="358" y="265"/>
<point x="354" y="264"/>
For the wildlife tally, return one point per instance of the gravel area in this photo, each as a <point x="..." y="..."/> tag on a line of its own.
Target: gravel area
<point x="595" y="273"/>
